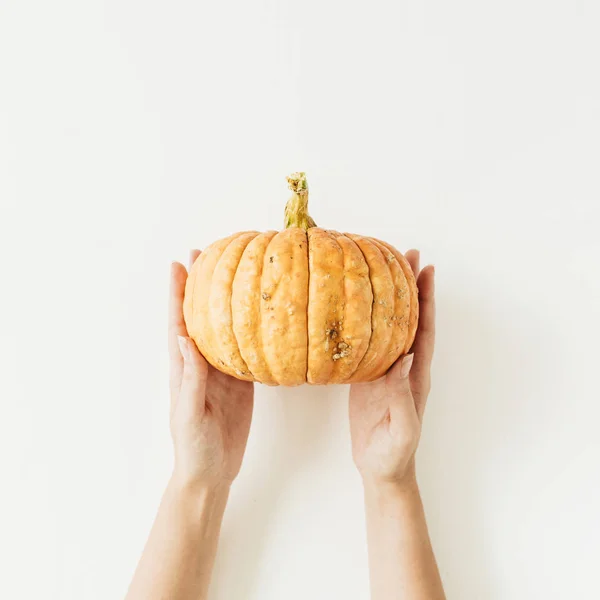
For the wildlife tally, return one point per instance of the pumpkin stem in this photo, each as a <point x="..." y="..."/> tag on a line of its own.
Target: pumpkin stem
<point x="296" y="210"/>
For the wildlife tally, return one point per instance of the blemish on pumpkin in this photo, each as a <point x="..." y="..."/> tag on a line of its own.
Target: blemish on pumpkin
<point x="391" y="257"/>
<point x="343" y="350"/>
<point x="331" y="334"/>
<point x="265" y="296"/>
<point x="270" y="259"/>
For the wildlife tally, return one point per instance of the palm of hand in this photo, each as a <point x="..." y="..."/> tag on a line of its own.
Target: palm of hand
<point x="210" y="443"/>
<point x="210" y="411"/>
<point x="386" y="414"/>
<point x="382" y="445"/>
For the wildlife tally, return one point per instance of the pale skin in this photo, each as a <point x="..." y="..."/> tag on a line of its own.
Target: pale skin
<point x="385" y="424"/>
<point x="210" y="421"/>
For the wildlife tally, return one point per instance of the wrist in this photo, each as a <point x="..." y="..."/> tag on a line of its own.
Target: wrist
<point x="406" y="485"/>
<point x="391" y="499"/>
<point x="193" y="510"/>
<point x="196" y="493"/>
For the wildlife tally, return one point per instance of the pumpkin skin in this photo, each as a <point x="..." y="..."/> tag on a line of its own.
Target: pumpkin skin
<point x="301" y="306"/>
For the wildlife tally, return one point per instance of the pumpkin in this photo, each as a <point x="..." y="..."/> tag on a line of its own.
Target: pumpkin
<point x="302" y="305"/>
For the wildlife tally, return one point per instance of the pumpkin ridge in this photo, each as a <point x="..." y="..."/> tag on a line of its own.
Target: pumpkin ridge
<point x="215" y="347"/>
<point x="383" y="291"/>
<point x="355" y="302"/>
<point x="413" y="314"/>
<point x="351" y="236"/>
<point x="260" y="288"/>
<point x="237" y="344"/>
<point x="325" y="315"/>
<point x="375" y="368"/>
<point x="342" y="352"/>
<point x="283" y="324"/>
<point x="197" y="326"/>
<point x="247" y="318"/>
<point x="391" y="258"/>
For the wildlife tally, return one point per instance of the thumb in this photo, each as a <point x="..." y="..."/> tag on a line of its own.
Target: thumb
<point x="402" y="404"/>
<point x="193" y="381"/>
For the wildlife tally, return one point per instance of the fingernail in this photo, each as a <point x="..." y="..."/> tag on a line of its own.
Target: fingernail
<point x="407" y="362"/>
<point x="183" y="347"/>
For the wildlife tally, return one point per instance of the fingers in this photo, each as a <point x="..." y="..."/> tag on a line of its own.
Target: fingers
<point x="414" y="258"/>
<point x="192" y="393"/>
<point x="194" y="254"/>
<point x="400" y="370"/>
<point x="425" y="339"/>
<point x="176" y="324"/>
<point x="402" y="404"/>
<point x="176" y="320"/>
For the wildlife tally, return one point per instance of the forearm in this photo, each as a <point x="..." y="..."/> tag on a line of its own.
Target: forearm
<point x="401" y="560"/>
<point x="178" y="558"/>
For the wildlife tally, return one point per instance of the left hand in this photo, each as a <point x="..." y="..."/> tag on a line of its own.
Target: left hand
<point x="210" y="411"/>
<point x="386" y="414"/>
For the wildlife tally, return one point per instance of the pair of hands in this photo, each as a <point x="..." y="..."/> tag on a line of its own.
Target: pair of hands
<point x="211" y="412"/>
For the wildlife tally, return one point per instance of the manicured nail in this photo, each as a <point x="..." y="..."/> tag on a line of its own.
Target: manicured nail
<point x="183" y="347"/>
<point x="407" y="362"/>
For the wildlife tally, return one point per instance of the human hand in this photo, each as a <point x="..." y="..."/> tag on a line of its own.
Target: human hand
<point x="386" y="414"/>
<point x="210" y="411"/>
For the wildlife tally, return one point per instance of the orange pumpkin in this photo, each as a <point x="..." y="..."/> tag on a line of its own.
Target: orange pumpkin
<point x="301" y="305"/>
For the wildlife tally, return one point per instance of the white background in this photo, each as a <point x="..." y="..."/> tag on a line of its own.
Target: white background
<point x="131" y="131"/>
